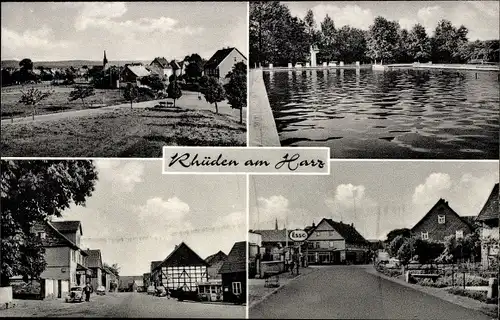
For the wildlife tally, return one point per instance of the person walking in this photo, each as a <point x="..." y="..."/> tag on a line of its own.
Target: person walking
<point x="87" y="290"/>
<point x="291" y="266"/>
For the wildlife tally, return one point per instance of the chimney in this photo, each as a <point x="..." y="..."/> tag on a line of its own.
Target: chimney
<point x="352" y="224"/>
<point x="313" y="225"/>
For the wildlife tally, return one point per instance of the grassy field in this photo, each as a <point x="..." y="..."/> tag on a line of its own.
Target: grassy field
<point x="121" y="133"/>
<point x="57" y="102"/>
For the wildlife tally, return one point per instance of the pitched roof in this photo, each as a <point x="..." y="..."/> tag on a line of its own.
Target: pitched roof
<point x="445" y="203"/>
<point x="272" y="235"/>
<point x="139" y="71"/>
<point x="94" y="259"/>
<point x="162" y="62"/>
<point x="236" y="260"/>
<point x="154" y="264"/>
<point x="64" y="238"/>
<point x="219" y="56"/>
<point x="182" y="255"/>
<point x="216" y="257"/>
<point x="175" y="65"/>
<point x="490" y="208"/>
<point x="347" y="231"/>
<point x="68" y="226"/>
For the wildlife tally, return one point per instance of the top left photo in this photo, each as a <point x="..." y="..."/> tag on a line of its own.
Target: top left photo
<point x="115" y="79"/>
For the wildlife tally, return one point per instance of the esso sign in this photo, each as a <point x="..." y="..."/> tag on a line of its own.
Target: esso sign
<point x="298" y="235"/>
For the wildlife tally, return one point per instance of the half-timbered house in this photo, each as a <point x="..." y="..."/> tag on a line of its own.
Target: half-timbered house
<point x="181" y="269"/>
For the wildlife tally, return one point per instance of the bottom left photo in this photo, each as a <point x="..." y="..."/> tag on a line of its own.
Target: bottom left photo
<point x="117" y="238"/>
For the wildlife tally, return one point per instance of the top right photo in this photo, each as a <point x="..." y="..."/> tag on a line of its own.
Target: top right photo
<point x="376" y="79"/>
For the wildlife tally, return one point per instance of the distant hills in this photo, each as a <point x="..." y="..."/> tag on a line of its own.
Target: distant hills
<point x="69" y="63"/>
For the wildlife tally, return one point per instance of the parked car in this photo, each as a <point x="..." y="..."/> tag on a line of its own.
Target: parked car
<point x="100" y="290"/>
<point x="75" y="294"/>
<point x="151" y="290"/>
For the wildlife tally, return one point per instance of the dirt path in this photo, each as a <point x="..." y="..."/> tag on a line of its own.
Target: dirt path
<point x="189" y="100"/>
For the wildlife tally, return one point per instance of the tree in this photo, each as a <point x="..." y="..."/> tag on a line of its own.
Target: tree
<point x="405" y="232"/>
<point x="26" y="64"/>
<point x="406" y="251"/>
<point x="402" y="53"/>
<point x="154" y="82"/>
<point x="382" y="39"/>
<point x="275" y="36"/>
<point x="69" y="76"/>
<point x="114" y="268"/>
<point x="310" y="24"/>
<point x="395" y="244"/>
<point x="33" y="96"/>
<point x="236" y="88"/>
<point x="419" y="46"/>
<point x="131" y="93"/>
<point x="32" y="191"/>
<point x="81" y="92"/>
<point x="174" y="90"/>
<point x="444" y="42"/>
<point x="214" y="92"/>
<point x="427" y="251"/>
<point x="467" y="248"/>
<point x="327" y="48"/>
<point x="194" y="68"/>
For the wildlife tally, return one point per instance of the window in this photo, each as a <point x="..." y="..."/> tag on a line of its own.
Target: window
<point x="42" y="235"/>
<point x="316" y="245"/>
<point x="459" y="234"/>
<point x="441" y="219"/>
<point x="424" y="235"/>
<point x="237" y="287"/>
<point x="330" y="233"/>
<point x="332" y="244"/>
<point x="318" y="233"/>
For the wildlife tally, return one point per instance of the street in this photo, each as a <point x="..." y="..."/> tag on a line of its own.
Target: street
<point x="348" y="292"/>
<point x="123" y="305"/>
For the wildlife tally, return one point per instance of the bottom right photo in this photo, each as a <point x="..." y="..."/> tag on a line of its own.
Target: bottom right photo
<point x="376" y="240"/>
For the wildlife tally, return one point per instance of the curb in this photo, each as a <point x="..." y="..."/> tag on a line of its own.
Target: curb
<point x="448" y="297"/>
<point x="215" y="303"/>
<point x="256" y="302"/>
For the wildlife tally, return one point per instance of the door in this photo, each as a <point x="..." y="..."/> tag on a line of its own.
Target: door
<point x="59" y="287"/>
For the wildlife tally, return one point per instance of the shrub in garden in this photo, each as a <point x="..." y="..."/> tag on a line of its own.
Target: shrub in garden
<point x="477" y="295"/>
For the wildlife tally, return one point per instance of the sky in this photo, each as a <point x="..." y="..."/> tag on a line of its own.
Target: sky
<point x="137" y="215"/>
<point x="376" y="196"/>
<point x="49" y="31"/>
<point x="480" y="17"/>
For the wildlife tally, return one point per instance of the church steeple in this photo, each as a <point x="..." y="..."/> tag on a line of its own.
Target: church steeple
<point x="104" y="60"/>
<point x="276" y="224"/>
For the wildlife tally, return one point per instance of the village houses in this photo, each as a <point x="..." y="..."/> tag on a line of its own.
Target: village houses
<point x="63" y="255"/>
<point x="234" y="274"/>
<point x="489" y="232"/>
<point x="222" y="62"/>
<point x="442" y="221"/>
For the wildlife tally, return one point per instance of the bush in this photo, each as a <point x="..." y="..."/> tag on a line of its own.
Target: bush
<point x="388" y="272"/>
<point x="477" y="295"/>
<point x="447" y="281"/>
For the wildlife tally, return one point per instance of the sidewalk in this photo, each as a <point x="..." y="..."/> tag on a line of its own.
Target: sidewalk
<point x="258" y="293"/>
<point x="469" y="303"/>
<point x="263" y="131"/>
